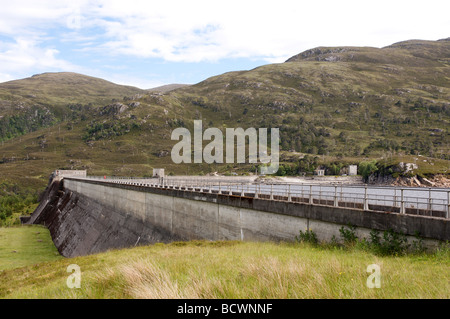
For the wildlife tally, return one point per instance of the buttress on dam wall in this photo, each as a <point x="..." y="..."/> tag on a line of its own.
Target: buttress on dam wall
<point x="90" y="216"/>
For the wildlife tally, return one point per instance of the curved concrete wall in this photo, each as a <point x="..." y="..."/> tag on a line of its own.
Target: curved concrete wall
<point x="199" y="216"/>
<point x="196" y="215"/>
<point x="88" y="216"/>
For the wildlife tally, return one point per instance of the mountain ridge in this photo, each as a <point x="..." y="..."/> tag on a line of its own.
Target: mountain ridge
<point x="409" y="55"/>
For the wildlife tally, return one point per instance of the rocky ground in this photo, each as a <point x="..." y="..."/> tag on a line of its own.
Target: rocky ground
<point x="440" y="181"/>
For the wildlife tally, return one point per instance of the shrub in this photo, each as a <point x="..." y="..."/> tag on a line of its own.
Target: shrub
<point x="417" y="245"/>
<point x="392" y="243"/>
<point x="348" y="235"/>
<point x="367" y="168"/>
<point x="308" y="236"/>
<point x="389" y="243"/>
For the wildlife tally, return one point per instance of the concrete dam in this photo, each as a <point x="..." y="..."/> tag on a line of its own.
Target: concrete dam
<point x="87" y="216"/>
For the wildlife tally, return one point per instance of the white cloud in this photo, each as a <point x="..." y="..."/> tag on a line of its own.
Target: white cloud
<point x="4" y="77"/>
<point x="205" y="30"/>
<point x="25" y="54"/>
<point x="193" y="31"/>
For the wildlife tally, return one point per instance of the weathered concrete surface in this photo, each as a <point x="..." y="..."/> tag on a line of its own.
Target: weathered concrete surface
<point x="80" y="225"/>
<point x="87" y="216"/>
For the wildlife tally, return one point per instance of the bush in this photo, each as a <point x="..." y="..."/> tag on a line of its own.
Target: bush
<point x="308" y="236"/>
<point x="417" y="245"/>
<point x="392" y="243"/>
<point x="348" y="235"/>
<point x="365" y="169"/>
<point x="389" y="243"/>
<point x="443" y="250"/>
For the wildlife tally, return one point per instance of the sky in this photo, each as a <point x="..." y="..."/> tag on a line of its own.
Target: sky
<point x="151" y="43"/>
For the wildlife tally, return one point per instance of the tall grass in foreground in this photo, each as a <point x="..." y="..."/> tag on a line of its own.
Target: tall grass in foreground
<point x="200" y="269"/>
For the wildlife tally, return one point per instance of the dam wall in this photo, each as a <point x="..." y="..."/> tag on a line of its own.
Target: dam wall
<point x="88" y="216"/>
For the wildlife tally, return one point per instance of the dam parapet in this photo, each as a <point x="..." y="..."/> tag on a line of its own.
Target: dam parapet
<point x="87" y="216"/>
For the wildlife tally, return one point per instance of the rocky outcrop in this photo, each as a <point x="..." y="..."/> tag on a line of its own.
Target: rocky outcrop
<point x="115" y="109"/>
<point x="413" y="181"/>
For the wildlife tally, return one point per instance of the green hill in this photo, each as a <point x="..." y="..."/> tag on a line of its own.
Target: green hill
<point x="58" y="89"/>
<point x="46" y="99"/>
<point x="348" y="101"/>
<point x="341" y="104"/>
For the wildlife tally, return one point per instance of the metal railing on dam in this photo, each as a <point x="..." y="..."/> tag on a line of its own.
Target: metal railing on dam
<point x="92" y="214"/>
<point x="433" y="202"/>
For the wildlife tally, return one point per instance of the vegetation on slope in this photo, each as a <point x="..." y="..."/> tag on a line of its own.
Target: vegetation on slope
<point x="44" y="100"/>
<point x="338" y="106"/>
<point x="343" y="101"/>
<point x="16" y="201"/>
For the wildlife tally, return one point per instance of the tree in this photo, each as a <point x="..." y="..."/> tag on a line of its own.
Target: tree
<point x="367" y="168"/>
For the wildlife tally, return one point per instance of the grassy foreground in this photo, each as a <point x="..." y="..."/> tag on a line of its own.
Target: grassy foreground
<point x="26" y="245"/>
<point x="200" y="269"/>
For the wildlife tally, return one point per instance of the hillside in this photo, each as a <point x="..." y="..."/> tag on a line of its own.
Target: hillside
<point x="412" y="53"/>
<point x="61" y="88"/>
<point x="336" y="105"/>
<point x="45" y="99"/>
<point x="348" y="101"/>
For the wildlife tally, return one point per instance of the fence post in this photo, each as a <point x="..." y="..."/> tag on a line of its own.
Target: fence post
<point x="271" y="191"/>
<point x="366" y="200"/>
<point x="402" y="205"/>
<point x="429" y="199"/>
<point x="335" y="196"/>
<point x="310" y="195"/>
<point x="220" y="188"/>
<point x="395" y="197"/>
<point x="289" y="193"/>
<point x="242" y="189"/>
<point x="256" y="190"/>
<point x="448" y="205"/>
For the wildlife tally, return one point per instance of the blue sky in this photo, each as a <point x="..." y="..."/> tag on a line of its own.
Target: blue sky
<point x="152" y="43"/>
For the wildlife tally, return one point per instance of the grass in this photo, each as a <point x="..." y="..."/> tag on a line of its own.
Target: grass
<point x="24" y="246"/>
<point x="231" y="269"/>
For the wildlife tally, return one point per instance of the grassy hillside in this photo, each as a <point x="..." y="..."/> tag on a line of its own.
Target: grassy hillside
<point x="336" y="105"/>
<point x="343" y="101"/>
<point x="47" y="99"/>
<point x="58" y="89"/>
<point x="232" y="270"/>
